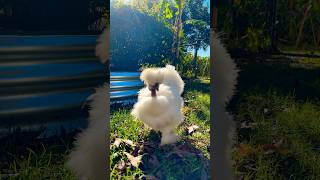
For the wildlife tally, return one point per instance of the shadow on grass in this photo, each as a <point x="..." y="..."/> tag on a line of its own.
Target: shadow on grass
<point x="202" y="85"/>
<point x="274" y="107"/>
<point x="179" y="161"/>
<point x="25" y="156"/>
<point x="284" y="78"/>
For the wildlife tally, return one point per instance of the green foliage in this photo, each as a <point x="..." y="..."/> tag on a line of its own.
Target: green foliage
<point x="137" y="38"/>
<point x="185" y="67"/>
<point x="159" y="64"/>
<point x="197" y="25"/>
<point x="203" y="67"/>
<point x="167" y="11"/>
<point x="157" y="47"/>
<point x="256" y="40"/>
<point x="290" y="15"/>
<point x="99" y="13"/>
<point x="246" y="24"/>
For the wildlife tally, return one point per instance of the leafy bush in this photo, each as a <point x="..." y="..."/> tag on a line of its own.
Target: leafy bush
<point x="185" y="67"/>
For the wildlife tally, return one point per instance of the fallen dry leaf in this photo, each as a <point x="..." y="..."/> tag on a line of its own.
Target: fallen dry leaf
<point x="279" y="143"/>
<point x="245" y="150"/>
<point x="247" y="125"/>
<point x="271" y="148"/>
<point x="129" y="142"/>
<point x="135" y="161"/>
<point x="117" y="142"/>
<point x="192" y="128"/>
<point x="283" y="151"/>
<point x="121" y="165"/>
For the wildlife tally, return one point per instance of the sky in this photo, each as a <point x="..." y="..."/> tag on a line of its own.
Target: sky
<point x="201" y="52"/>
<point x="204" y="53"/>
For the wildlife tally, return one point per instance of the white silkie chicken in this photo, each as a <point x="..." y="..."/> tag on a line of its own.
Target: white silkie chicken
<point x="88" y="159"/>
<point x="159" y="106"/>
<point x="159" y="103"/>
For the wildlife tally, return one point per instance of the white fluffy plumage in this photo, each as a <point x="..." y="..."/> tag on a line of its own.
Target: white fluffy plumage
<point x="88" y="159"/>
<point x="102" y="47"/>
<point x="163" y="111"/>
<point x="225" y="74"/>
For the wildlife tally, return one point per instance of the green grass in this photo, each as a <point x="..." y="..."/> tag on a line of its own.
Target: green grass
<point x="279" y="130"/>
<point x="25" y="157"/>
<point x="187" y="158"/>
<point x="45" y="165"/>
<point x="307" y="50"/>
<point x="278" y="122"/>
<point x="309" y="62"/>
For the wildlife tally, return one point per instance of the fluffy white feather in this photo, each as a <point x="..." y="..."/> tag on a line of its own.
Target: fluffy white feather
<point x="102" y="47"/>
<point x="162" y="112"/>
<point x="224" y="80"/>
<point x="225" y="71"/>
<point x="88" y="159"/>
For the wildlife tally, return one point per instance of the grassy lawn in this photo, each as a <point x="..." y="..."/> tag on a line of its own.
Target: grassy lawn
<point x="310" y="62"/>
<point x="135" y="151"/>
<point x="305" y="50"/>
<point x="23" y="156"/>
<point x="277" y="111"/>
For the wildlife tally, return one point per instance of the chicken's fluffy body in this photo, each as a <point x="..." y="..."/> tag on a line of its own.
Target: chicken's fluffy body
<point x="162" y="112"/>
<point x="88" y="159"/>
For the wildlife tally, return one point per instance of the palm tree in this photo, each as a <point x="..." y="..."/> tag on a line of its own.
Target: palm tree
<point x="177" y="28"/>
<point x="197" y="29"/>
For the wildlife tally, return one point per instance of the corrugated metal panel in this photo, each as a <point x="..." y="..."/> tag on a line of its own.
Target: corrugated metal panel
<point x="124" y="86"/>
<point x="44" y="78"/>
<point x="42" y="74"/>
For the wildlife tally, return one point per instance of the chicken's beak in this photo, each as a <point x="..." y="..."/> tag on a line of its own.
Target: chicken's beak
<point x="153" y="89"/>
<point x="157" y="86"/>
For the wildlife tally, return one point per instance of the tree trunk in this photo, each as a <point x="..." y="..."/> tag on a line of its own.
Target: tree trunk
<point x="305" y="17"/>
<point x="290" y="4"/>
<point x="314" y="34"/>
<point x="272" y="23"/>
<point x="215" y="19"/>
<point x="178" y="30"/>
<point x="195" y="62"/>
